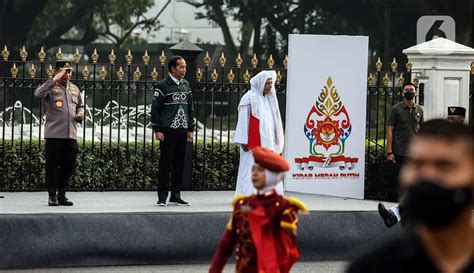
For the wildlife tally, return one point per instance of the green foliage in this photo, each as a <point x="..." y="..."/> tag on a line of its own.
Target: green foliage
<point x="115" y="167"/>
<point x="375" y="155"/>
<point x="83" y="21"/>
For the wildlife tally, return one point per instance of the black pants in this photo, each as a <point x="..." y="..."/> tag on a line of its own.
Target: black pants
<point x="172" y="151"/>
<point x="60" y="160"/>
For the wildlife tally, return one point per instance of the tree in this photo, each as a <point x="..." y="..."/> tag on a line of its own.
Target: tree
<point x="75" y="22"/>
<point x="391" y="25"/>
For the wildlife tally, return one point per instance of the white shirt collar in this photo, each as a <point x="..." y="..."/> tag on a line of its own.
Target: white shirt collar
<point x="175" y="80"/>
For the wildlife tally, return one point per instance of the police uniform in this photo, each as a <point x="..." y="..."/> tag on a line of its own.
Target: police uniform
<point x="261" y="230"/>
<point x="64" y="108"/>
<point x="172" y="115"/>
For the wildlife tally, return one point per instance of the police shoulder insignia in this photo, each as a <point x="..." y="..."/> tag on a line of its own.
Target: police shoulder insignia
<point x="73" y="89"/>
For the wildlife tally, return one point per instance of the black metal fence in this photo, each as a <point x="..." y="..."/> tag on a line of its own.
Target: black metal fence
<point x="117" y="147"/>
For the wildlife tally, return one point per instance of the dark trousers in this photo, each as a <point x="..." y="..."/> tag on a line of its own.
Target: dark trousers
<point x="172" y="151"/>
<point x="60" y="160"/>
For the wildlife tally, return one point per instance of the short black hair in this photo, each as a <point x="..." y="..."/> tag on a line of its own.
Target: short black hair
<point x="447" y="131"/>
<point x="408" y="83"/>
<point x="173" y="62"/>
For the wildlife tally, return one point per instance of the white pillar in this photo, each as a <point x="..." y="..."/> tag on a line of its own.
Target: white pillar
<point x="444" y="67"/>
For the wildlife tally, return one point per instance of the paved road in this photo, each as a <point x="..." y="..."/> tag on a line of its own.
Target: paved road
<point x="300" y="267"/>
<point x="201" y="201"/>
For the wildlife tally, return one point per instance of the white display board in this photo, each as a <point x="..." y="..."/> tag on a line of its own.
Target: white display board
<point x="326" y="114"/>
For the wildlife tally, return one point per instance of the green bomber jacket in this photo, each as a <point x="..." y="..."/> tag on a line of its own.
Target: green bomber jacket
<point x="172" y="106"/>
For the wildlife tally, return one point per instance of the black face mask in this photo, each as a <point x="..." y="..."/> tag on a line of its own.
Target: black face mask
<point x="409" y="95"/>
<point x="435" y="206"/>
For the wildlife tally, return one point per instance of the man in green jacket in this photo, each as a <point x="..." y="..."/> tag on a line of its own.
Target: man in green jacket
<point x="173" y="123"/>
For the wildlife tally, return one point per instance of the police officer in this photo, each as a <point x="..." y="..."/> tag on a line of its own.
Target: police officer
<point x="456" y="114"/>
<point x="173" y="122"/>
<point x="64" y="108"/>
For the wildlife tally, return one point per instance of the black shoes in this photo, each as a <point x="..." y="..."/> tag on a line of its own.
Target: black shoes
<point x="388" y="216"/>
<point x="63" y="201"/>
<point x="162" y="203"/>
<point x="53" y="201"/>
<point x="178" y="202"/>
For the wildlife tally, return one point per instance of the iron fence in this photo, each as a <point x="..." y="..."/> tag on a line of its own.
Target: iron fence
<point x="118" y="99"/>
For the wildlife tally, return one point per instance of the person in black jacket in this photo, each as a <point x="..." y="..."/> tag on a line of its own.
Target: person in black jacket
<point x="436" y="202"/>
<point x="173" y="122"/>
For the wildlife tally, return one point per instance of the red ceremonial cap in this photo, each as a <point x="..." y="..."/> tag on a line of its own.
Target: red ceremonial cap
<point x="270" y="160"/>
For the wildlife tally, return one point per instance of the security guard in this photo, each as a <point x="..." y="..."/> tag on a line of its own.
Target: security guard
<point x="173" y="122"/>
<point x="64" y="108"/>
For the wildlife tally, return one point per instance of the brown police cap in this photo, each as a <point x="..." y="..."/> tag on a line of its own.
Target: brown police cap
<point x="63" y="64"/>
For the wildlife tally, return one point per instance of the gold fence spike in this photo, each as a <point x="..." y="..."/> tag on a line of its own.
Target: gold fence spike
<point x="370" y="80"/>
<point x="137" y="74"/>
<point x="222" y="59"/>
<point x="246" y="76"/>
<point x="112" y="57"/>
<point x="401" y="80"/>
<point x="214" y="75"/>
<point x="386" y="80"/>
<point x="146" y="58"/>
<point x="279" y="77"/>
<point x="129" y="57"/>
<point x="416" y="80"/>
<point x="14" y="71"/>
<point x="394" y="65"/>
<point x="198" y="75"/>
<point x="154" y="74"/>
<point x="5" y="53"/>
<point x="95" y="56"/>
<point x="50" y="71"/>
<point x="77" y="56"/>
<point x="59" y="54"/>
<point x="120" y="73"/>
<point x="472" y="68"/>
<point x="102" y="73"/>
<point x="230" y="76"/>
<point x="42" y="55"/>
<point x="409" y="65"/>
<point x="270" y="62"/>
<point x="162" y="58"/>
<point x="254" y="61"/>
<point x="32" y="71"/>
<point x="23" y="54"/>
<point x="378" y="65"/>
<point x="239" y="60"/>
<point x="85" y="73"/>
<point x="285" y="62"/>
<point x="207" y="59"/>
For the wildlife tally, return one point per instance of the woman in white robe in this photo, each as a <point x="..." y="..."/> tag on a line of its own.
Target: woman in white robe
<point x="260" y="102"/>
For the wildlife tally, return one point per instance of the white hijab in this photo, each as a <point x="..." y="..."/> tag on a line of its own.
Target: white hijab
<point x="255" y="98"/>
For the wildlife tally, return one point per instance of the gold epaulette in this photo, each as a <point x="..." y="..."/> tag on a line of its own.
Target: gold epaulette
<point x="229" y="224"/>
<point x="297" y="203"/>
<point x="289" y="226"/>
<point x="238" y="198"/>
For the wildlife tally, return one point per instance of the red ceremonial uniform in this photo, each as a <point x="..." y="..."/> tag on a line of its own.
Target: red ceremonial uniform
<point x="262" y="230"/>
